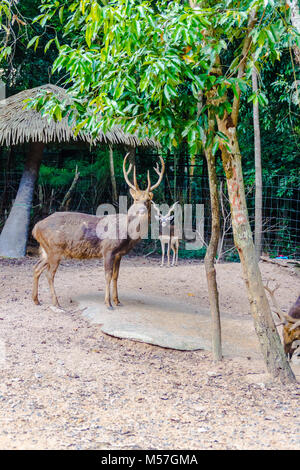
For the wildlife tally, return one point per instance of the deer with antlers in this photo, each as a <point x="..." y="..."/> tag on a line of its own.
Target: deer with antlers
<point x="167" y="234"/>
<point x="290" y="322"/>
<point x="78" y="236"/>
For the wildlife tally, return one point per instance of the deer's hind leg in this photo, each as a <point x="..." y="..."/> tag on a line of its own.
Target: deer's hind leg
<point x="108" y="269"/>
<point x="53" y="263"/>
<point x="40" y="266"/>
<point x="174" y="253"/>
<point x="115" y="276"/>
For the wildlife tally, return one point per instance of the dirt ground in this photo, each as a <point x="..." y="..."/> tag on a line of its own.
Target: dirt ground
<point x="66" y="385"/>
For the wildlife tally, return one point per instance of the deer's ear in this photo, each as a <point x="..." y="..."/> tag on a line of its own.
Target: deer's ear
<point x="151" y="196"/>
<point x="132" y="192"/>
<point x="157" y="217"/>
<point x="171" y="217"/>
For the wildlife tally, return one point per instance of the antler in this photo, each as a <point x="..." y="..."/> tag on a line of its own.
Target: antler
<point x="172" y="208"/>
<point x="284" y="317"/>
<point x="126" y="173"/>
<point x="160" y="174"/>
<point x="156" y="208"/>
<point x="277" y="309"/>
<point x="296" y="323"/>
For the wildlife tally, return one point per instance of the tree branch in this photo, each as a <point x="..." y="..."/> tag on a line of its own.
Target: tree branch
<point x="242" y="66"/>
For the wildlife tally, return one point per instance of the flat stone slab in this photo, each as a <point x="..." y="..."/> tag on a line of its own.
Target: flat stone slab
<point x="169" y="324"/>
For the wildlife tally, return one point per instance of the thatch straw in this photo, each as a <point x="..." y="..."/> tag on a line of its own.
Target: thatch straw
<point x="19" y="125"/>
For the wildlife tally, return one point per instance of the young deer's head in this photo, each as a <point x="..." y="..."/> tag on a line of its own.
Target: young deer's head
<point x="142" y="199"/>
<point x="164" y="220"/>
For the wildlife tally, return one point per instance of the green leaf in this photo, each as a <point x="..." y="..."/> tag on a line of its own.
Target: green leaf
<point x="215" y="146"/>
<point x="61" y="14"/>
<point x="48" y="44"/>
<point x="32" y="41"/>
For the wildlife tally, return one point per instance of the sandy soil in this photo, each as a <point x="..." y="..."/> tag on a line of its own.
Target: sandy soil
<point x="66" y="385"/>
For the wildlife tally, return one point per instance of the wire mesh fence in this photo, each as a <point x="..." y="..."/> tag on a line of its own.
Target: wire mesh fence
<point x="281" y="204"/>
<point x="280" y="210"/>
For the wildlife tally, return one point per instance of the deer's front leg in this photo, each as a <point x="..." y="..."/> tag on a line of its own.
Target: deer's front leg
<point x="162" y="251"/>
<point x="116" y="268"/>
<point x="168" y="253"/>
<point x="108" y="269"/>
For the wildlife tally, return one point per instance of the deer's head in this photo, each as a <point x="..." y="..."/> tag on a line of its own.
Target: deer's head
<point x="290" y="322"/>
<point x="142" y="198"/>
<point x="164" y="220"/>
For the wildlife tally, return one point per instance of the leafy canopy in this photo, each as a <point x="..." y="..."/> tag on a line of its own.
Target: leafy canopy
<point x="147" y="66"/>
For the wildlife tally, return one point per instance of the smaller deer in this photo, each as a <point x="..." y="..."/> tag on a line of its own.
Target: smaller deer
<point x="167" y="235"/>
<point x="290" y="322"/>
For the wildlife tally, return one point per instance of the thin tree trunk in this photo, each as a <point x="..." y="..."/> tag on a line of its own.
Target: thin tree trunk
<point x="131" y="151"/>
<point x="13" y="238"/>
<point x="67" y="198"/>
<point x="112" y="175"/>
<point x="210" y="256"/>
<point x="191" y="176"/>
<point x="2" y="90"/>
<point x="295" y="20"/>
<point x="258" y="171"/>
<point x="271" y="347"/>
<point x="175" y="176"/>
<point x="212" y="248"/>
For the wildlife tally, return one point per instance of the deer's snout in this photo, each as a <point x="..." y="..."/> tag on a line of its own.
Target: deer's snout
<point x="142" y="210"/>
<point x="138" y="209"/>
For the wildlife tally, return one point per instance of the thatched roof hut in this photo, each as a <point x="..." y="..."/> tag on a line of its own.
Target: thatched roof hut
<point x="19" y="125"/>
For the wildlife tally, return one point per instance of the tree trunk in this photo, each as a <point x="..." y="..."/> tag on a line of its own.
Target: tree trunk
<point x="13" y="238"/>
<point x="132" y="152"/>
<point x="64" y="206"/>
<point x="112" y="175"/>
<point x="2" y="90"/>
<point x="258" y="171"/>
<point x="295" y="20"/>
<point x="212" y="248"/>
<point x="210" y="256"/>
<point x="191" y="175"/>
<point x="274" y="356"/>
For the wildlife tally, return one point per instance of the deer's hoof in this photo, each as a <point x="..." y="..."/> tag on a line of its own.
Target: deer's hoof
<point x="37" y="302"/>
<point x="118" y="304"/>
<point x="109" y="307"/>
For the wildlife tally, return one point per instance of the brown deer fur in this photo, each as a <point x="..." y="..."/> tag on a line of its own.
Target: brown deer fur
<point x="291" y="334"/>
<point x="74" y="235"/>
<point x="290" y="322"/>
